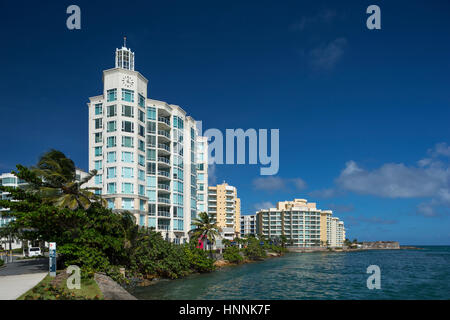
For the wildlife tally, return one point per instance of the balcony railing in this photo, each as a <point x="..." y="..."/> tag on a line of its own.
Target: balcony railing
<point x="163" y="186"/>
<point x="165" y="120"/>
<point x="165" y="160"/>
<point x="164" y="213"/>
<point x="164" y="133"/>
<point x="164" y="173"/>
<point x="164" y="200"/>
<point x="164" y="146"/>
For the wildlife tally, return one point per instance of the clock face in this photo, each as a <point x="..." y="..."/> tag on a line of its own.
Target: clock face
<point x="127" y="81"/>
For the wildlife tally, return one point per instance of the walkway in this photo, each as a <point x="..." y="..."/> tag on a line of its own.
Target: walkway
<point x="20" y="276"/>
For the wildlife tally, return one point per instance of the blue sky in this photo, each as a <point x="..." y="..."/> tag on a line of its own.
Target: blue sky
<point x="363" y="115"/>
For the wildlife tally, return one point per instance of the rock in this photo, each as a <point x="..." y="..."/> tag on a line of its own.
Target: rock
<point x="111" y="290"/>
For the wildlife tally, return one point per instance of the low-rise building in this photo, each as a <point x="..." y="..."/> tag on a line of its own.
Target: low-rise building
<point x="248" y="225"/>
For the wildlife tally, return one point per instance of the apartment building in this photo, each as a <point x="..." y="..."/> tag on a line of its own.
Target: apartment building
<point x="249" y="225"/>
<point x="302" y="223"/>
<point x="225" y="208"/>
<point x="144" y="151"/>
<point x="202" y="174"/>
<point x="10" y="180"/>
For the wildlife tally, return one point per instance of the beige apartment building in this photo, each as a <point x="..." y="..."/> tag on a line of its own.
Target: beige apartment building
<point x="302" y="224"/>
<point x="225" y="208"/>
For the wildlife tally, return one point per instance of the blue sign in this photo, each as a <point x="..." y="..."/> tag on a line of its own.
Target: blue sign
<point x="52" y="259"/>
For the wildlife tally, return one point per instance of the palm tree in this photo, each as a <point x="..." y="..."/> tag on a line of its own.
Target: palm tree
<point x="284" y="240"/>
<point x="57" y="182"/>
<point x="205" y="228"/>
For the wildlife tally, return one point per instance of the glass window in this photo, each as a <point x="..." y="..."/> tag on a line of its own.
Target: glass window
<point x="127" y="188"/>
<point x="111" y="204"/>
<point x="141" y="131"/>
<point x="151" y="113"/>
<point x="152" y="222"/>
<point x="141" y="145"/>
<point x="98" y="109"/>
<point x="141" y="190"/>
<point x="98" y="164"/>
<point x="111" y="172"/>
<point x="141" y="175"/>
<point x="151" y="127"/>
<point x="127" y="157"/>
<point x="141" y="116"/>
<point x="127" y="142"/>
<point x="111" y="95"/>
<point x="98" y="179"/>
<point x="98" y="123"/>
<point x="111" y="188"/>
<point x="127" y="126"/>
<point x="151" y="182"/>
<point x="111" y="126"/>
<point x="128" y="111"/>
<point x="127" y="95"/>
<point x="111" y="157"/>
<point x="98" y="137"/>
<point x="141" y="160"/>
<point x="127" y="203"/>
<point x="110" y="142"/>
<point x="141" y="101"/>
<point x="98" y="151"/>
<point x="200" y="177"/>
<point x="151" y="168"/>
<point x="151" y="154"/>
<point x="111" y="111"/>
<point x="178" y="122"/>
<point x="127" y="172"/>
<point x="151" y="194"/>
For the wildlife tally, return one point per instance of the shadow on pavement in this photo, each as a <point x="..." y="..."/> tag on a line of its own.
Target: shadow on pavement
<point x="19" y="267"/>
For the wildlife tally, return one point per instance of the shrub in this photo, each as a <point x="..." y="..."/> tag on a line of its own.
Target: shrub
<point x="233" y="255"/>
<point x="254" y="251"/>
<point x="198" y="259"/>
<point x="1" y="262"/>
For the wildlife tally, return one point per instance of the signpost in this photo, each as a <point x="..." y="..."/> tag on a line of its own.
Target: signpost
<point x="52" y="259"/>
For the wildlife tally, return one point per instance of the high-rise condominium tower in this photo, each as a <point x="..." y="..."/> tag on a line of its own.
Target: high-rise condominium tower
<point x="225" y="208"/>
<point x="145" y="152"/>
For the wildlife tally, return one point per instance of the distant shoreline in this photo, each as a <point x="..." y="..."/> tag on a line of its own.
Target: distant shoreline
<point x="311" y="250"/>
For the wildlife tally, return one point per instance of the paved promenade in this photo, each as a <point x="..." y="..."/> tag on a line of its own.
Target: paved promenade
<point x="20" y="276"/>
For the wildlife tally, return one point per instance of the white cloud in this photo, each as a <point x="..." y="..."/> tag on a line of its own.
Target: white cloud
<point x="327" y="55"/>
<point x="440" y="149"/>
<point x="263" y="205"/>
<point x="326" y="16"/>
<point x="392" y="180"/>
<point x="275" y="183"/>
<point x="299" y="184"/>
<point x="429" y="180"/>
<point x="324" y="193"/>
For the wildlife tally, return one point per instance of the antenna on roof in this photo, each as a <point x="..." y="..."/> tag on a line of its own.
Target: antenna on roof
<point x="125" y="42"/>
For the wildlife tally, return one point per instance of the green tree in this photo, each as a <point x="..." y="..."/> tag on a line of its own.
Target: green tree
<point x="54" y="178"/>
<point x="205" y="228"/>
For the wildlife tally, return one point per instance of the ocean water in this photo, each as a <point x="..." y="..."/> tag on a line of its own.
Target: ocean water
<point x="405" y="274"/>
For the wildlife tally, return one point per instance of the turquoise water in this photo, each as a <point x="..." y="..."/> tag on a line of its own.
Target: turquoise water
<point x="405" y="274"/>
